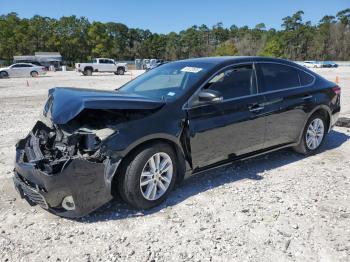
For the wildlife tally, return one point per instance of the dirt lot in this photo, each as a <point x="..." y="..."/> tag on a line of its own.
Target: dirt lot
<point x="278" y="207"/>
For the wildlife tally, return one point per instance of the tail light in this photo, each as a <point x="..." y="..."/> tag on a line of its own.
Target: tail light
<point x="336" y="90"/>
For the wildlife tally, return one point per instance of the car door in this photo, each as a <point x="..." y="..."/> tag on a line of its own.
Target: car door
<point x="231" y="127"/>
<point x="16" y="70"/>
<point x="27" y="69"/>
<point x="111" y="66"/>
<point x="102" y="65"/>
<point x="288" y="94"/>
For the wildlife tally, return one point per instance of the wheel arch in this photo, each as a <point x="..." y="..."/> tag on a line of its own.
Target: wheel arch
<point x="4" y="71"/>
<point x="88" y="68"/>
<point x="324" y="111"/>
<point x="180" y="158"/>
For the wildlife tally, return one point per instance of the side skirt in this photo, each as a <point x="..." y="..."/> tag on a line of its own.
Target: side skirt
<point x="240" y="158"/>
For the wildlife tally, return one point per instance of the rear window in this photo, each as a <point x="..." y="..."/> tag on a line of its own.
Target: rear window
<point x="278" y="76"/>
<point x="305" y="78"/>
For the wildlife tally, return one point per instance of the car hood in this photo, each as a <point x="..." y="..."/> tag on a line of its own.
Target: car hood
<point x="64" y="104"/>
<point x="4" y="68"/>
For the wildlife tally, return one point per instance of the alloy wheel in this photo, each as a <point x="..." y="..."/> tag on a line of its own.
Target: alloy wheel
<point x="314" y="134"/>
<point x="156" y="176"/>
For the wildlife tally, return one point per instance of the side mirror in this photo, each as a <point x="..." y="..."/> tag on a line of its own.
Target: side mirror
<point x="209" y="96"/>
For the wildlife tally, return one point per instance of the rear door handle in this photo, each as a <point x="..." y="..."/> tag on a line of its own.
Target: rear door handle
<point x="256" y="108"/>
<point x="307" y="97"/>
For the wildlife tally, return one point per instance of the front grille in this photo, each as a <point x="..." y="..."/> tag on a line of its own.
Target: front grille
<point x="32" y="193"/>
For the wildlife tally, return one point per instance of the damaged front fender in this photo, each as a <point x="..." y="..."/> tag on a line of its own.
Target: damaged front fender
<point x="66" y="175"/>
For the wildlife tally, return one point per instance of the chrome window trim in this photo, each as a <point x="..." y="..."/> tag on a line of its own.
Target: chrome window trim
<point x="187" y="106"/>
<point x="297" y="68"/>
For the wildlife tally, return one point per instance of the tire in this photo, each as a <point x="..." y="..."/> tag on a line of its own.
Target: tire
<point x="34" y="74"/>
<point x="120" y="71"/>
<point x="303" y="147"/>
<point x="129" y="180"/>
<point x="87" y="72"/>
<point x="4" y="74"/>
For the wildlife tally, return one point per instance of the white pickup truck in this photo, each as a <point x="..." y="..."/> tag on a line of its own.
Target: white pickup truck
<point x="101" y="65"/>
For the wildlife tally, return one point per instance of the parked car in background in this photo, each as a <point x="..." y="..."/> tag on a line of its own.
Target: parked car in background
<point x="22" y="70"/>
<point x="101" y="65"/>
<point x="312" y="64"/>
<point x="183" y="117"/>
<point x="329" y="64"/>
<point x="155" y="63"/>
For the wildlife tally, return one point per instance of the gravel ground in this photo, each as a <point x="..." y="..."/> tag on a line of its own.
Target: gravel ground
<point x="277" y="207"/>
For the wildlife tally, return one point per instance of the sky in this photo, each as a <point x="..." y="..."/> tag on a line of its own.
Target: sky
<point x="164" y="16"/>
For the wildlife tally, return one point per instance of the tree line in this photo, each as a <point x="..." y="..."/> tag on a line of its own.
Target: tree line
<point x="78" y="39"/>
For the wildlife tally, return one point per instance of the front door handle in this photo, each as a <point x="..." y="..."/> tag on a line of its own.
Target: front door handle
<point x="256" y="108"/>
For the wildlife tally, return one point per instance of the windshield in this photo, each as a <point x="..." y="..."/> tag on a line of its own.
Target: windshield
<point x="167" y="81"/>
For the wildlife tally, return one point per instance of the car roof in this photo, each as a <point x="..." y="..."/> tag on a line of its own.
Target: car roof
<point x="23" y="64"/>
<point x="221" y="60"/>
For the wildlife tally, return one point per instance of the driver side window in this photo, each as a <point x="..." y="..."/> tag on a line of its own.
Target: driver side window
<point x="234" y="82"/>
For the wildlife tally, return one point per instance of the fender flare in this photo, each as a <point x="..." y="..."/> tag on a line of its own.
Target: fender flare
<point x="88" y="67"/>
<point x="112" y="171"/>
<point x="319" y="107"/>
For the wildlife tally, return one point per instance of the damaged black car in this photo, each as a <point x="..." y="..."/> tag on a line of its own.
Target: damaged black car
<point x="179" y="119"/>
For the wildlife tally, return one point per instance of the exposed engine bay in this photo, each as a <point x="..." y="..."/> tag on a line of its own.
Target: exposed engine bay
<point x="52" y="149"/>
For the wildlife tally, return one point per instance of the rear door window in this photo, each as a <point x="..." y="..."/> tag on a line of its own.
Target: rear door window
<point x="278" y="76"/>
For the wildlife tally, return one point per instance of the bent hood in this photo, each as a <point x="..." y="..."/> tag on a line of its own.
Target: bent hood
<point x="64" y="104"/>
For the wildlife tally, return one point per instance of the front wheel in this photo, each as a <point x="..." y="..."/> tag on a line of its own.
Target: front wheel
<point x="4" y="74"/>
<point x="34" y="74"/>
<point x="148" y="176"/>
<point x="313" y="135"/>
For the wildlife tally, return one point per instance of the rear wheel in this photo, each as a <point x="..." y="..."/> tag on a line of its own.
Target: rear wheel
<point x="313" y="135"/>
<point x="87" y="72"/>
<point x="148" y="176"/>
<point x="4" y="74"/>
<point x="120" y="71"/>
<point x="34" y="74"/>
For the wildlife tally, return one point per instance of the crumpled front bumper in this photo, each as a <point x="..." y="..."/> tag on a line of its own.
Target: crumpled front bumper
<point x="89" y="183"/>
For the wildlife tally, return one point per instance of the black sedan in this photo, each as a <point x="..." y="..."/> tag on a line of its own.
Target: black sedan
<point x="181" y="118"/>
<point x="329" y="64"/>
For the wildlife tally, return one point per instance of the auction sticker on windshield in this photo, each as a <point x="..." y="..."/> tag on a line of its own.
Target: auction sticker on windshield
<point x="191" y="69"/>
